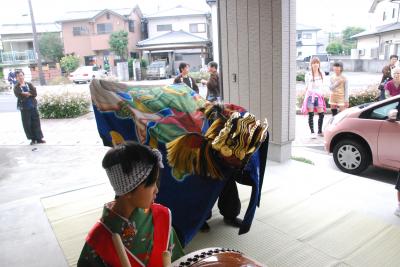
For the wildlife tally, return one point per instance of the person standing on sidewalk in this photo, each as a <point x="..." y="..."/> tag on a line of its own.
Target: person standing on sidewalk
<point x="213" y="90"/>
<point x="339" y="97"/>
<point x="392" y="88"/>
<point x="184" y="77"/>
<point x="314" y="100"/>
<point x="27" y="104"/>
<point x="387" y="75"/>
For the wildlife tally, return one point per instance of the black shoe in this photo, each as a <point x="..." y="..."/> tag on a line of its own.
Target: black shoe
<point x="236" y="222"/>
<point x="205" y="228"/>
<point x="41" y="141"/>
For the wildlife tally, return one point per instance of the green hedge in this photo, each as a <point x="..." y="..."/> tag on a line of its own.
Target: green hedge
<point x="356" y="98"/>
<point x="65" y="105"/>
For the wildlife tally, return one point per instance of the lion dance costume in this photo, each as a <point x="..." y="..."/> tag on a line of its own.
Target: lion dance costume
<point x="203" y="145"/>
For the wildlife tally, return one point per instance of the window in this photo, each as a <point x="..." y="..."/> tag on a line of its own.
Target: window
<point x="384" y="16"/>
<point x="104" y="28"/>
<point x="164" y="27"/>
<point x="299" y="53"/>
<point x="307" y="35"/>
<point x="381" y="113"/>
<point x="108" y="15"/>
<point x="197" y="27"/>
<point x="80" y="30"/>
<point x="131" y="25"/>
<point x="298" y="36"/>
<point x="393" y="13"/>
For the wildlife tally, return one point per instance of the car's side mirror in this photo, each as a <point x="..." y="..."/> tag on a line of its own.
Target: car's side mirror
<point x="392" y="115"/>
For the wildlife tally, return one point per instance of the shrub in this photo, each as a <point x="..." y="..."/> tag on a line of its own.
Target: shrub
<point x="69" y="63"/>
<point x="363" y="96"/>
<point x="65" y="105"/>
<point x="356" y="97"/>
<point x="143" y="63"/>
<point x="300" y="76"/>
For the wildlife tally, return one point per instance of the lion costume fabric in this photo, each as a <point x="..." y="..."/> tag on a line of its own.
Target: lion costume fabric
<point x="203" y="145"/>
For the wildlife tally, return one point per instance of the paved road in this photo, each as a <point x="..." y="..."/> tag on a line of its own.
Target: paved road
<point x="8" y="102"/>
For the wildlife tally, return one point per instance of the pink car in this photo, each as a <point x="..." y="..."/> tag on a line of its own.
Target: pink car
<point x="364" y="135"/>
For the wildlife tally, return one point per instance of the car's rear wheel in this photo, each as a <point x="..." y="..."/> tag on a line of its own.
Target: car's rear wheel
<point x="351" y="156"/>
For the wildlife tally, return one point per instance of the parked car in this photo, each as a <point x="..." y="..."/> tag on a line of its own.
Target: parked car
<point x="325" y="65"/>
<point x="364" y="135"/>
<point x="85" y="74"/>
<point x="159" y="70"/>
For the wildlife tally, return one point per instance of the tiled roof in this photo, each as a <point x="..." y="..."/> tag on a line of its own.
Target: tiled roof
<point x="302" y="27"/>
<point x="173" y="37"/>
<point x="90" y="14"/>
<point x="27" y="28"/>
<point x="381" y="29"/>
<point x="177" y="12"/>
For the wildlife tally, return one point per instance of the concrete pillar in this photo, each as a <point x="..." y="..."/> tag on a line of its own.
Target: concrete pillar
<point x="258" y="52"/>
<point x="214" y="25"/>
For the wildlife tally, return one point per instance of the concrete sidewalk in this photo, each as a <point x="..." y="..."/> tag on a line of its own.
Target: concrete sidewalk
<point x="302" y="205"/>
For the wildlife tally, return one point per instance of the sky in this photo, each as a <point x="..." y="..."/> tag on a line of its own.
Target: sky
<point x="329" y="15"/>
<point x="334" y="15"/>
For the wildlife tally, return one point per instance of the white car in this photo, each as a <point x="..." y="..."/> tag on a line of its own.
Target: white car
<point x="85" y="74"/>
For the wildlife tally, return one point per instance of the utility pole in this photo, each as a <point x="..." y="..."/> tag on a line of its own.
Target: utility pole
<point x="36" y="46"/>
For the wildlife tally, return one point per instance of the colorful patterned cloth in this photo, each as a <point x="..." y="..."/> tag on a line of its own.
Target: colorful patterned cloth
<point x="158" y="115"/>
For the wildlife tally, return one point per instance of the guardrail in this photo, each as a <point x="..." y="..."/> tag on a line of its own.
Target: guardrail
<point x="13" y="57"/>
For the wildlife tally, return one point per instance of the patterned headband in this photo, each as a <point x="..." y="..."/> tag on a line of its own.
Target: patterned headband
<point x="123" y="183"/>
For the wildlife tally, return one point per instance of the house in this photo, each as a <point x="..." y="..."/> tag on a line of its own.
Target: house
<point x="178" y="34"/>
<point x="86" y="33"/>
<point x="307" y="41"/>
<point x="16" y="43"/>
<point x="383" y="39"/>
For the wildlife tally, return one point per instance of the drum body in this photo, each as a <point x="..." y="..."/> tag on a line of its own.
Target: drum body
<point x="216" y="257"/>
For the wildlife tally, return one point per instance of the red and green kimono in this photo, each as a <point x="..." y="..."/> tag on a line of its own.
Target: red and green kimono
<point x="146" y="234"/>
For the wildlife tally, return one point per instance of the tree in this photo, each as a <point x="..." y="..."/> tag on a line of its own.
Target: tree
<point x="51" y="46"/>
<point x="349" y="42"/>
<point x="69" y="63"/>
<point x="119" y="43"/>
<point x="334" y="48"/>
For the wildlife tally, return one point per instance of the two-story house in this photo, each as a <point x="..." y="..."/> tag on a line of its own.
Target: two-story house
<point x="86" y="33"/>
<point x="16" y="43"/>
<point x="307" y="41"/>
<point x="178" y="34"/>
<point x="383" y="38"/>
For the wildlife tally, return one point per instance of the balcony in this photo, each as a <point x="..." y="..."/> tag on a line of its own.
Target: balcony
<point x="16" y="57"/>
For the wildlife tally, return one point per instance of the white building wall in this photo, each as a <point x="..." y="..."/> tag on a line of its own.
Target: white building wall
<point x="366" y="45"/>
<point x="178" y="23"/>
<point x="385" y="13"/>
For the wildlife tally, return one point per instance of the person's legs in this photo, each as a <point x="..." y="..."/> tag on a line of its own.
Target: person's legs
<point x="229" y="203"/>
<point x="320" y="120"/>
<point x="311" y="120"/>
<point x="27" y="123"/>
<point x="334" y="110"/>
<point x="35" y="126"/>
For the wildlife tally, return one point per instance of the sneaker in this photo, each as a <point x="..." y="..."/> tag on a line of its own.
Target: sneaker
<point x="321" y="134"/>
<point x="397" y="212"/>
<point x="313" y="136"/>
<point x="41" y="141"/>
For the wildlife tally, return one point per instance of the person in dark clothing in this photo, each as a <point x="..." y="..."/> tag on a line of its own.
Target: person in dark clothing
<point x="11" y="78"/>
<point x="27" y="104"/>
<point x="184" y="77"/>
<point x="387" y="75"/>
<point x="213" y="90"/>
